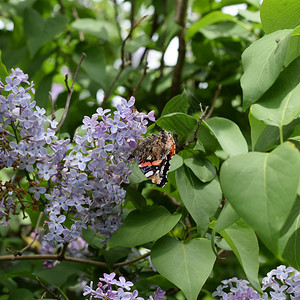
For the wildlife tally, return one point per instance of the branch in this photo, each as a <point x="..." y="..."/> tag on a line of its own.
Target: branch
<point x="61" y="255"/>
<point x="70" y="92"/>
<point x="129" y="262"/>
<point x="155" y="26"/>
<point x="76" y="17"/>
<point x="143" y="76"/>
<point x="180" y="17"/>
<point x="54" y="257"/>
<point x="201" y="118"/>
<point x="46" y="289"/>
<point x="116" y="19"/>
<point x="217" y="93"/>
<point x="124" y="63"/>
<point x="52" y="106"/>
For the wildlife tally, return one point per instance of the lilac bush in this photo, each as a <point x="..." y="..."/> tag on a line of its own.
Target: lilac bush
<point x="110" y="288"/>
<point x="279" y="284"/>
<point x="82" y="177"/>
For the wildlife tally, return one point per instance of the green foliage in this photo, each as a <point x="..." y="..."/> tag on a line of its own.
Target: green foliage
<point x="264" y="180"/>
<point x="234" y="181"/>
<point x="186" y="264"/>
<point x="143" y="226"/>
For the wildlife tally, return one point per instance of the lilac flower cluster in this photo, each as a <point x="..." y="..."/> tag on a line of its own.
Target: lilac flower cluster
<point x="84" y="178"/>
<point x="111" y="288"/>
<point x="238" y="289"/>
<point x="91" y="174"/>
<point x="283" y="283"/>
<point x="25" y="136"/>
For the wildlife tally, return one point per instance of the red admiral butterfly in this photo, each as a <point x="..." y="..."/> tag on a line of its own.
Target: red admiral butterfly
<point x="153" y="155"/>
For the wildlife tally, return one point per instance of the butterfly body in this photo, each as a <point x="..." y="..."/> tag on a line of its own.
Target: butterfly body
<point x="154" y="154"/>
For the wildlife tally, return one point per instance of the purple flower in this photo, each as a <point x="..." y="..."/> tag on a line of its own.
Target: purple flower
<point x="124" y="284"/>
<point x="114" y="289"/>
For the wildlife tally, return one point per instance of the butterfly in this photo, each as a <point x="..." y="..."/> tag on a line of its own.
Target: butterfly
<point x="153" y="155"/>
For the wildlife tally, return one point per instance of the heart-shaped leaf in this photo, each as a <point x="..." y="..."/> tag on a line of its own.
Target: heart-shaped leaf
<point x="263" y="62"/>
<point x="187" y="265"/>
<point x="201" y="199"/>
<point x="264" y="189"/>
<point x="228" y="135"/>
<point x="143" y="226"/>
<point x="243" y="241"/>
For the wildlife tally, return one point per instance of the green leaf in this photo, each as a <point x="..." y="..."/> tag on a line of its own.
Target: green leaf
<point x="66" y="268"/>
<point x="91" y="26"/>
<point x="187" y="265"/>
<point x="94" y="64"/>
<point x="143" y="226"/>
<point x="280" y="105"/>
<point x="225" y="29"/>
<point x="42" y="91"/>
<point x="134" y="44"/>
<point x="277" y="15"/>
<point x="201" y="167"/>
<point x="243" y="241"/>
<point x="228" y="135"/>
<point x="294" y="47"/>
<point x="266" y="189"/>
<point x="137" y="175"/>
<point x="289" y="242"/>
<point x="176" y="162"/>
<point x="270" y="137"/>
<point x="206" y="139"/>
<point x="211" y="18"/>
<point x="183" y="124"/>
<point x="3" y="71"/>
<point x="262" y="62"/>
<point x="257" y="128"/>
<point x="201" y="199"/>
<point x="21" y="293"/>
<point x="226" y="218"/>
<point x="253" y="16"/>
<point x="93" y="239"/>
<point x="19" y="273"/>
<point x="41" y="31"/>
<point x="179" y="103"/>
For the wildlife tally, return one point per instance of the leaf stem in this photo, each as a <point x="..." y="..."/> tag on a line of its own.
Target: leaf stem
<point x="281" y="134"/>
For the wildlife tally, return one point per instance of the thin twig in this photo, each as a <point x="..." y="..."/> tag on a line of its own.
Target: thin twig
<point x="52" y="106"/>
<point x="46" y="289"/>
<point x="54" y="257"/>
<point x="201" y="118"/>
<point x="128" y="36"/>
<point x="70" y="92"/>
<point x="129" y="262"/>
<point x="217" y="93"/>
<point x="13" y="251"/>
<point x="124" y="64"/>
<point x="76" y="17"/>
<point x="142" y="77"/>
<point x="116" y="19"/>
<point x="62" y="8"/>
<point x="61" y="255"/>
<point x="180" y="17"/>
<point x="36" y="232"/>
<point x="155" y="26"/>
